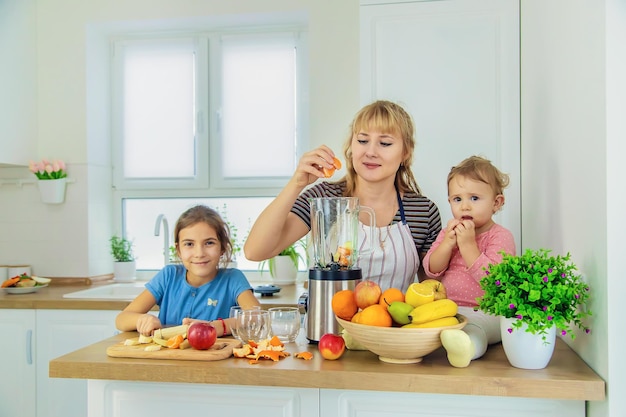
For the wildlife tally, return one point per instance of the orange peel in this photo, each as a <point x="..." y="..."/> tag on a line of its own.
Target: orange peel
<point x="307" y="356"/>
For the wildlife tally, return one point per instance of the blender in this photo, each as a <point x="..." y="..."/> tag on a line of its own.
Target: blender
<point x="335" y="251"/>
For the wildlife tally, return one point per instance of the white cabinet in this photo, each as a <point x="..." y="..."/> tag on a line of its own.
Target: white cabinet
<point x="17" y="362"/>
<point x="129" y="399"/>
<point x="132" y="399"/>
<point x="30" y="339"/>
<point x="18" y="81"/>
<point x="60" y="332"/>
<point x="454" y="65"/>
<point x="339" y="403"/>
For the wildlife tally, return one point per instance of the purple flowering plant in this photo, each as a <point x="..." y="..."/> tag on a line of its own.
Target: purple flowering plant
<point x="538" y="289"/>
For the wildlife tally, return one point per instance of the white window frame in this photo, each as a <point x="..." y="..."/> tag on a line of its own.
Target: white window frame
<point x="208" y="180"/>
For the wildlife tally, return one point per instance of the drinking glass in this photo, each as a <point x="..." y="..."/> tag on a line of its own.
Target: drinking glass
<point x="253" y="325"/>
<point x="234" y="311"/>
<point x="285" y="322"/>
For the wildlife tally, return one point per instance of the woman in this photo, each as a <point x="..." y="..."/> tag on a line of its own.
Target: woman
<point x="378" y="155"/>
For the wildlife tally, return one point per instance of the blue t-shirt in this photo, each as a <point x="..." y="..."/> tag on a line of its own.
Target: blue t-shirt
<point x="177" y="299"/>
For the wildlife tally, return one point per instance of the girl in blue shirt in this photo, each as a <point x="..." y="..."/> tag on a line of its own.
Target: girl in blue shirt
<point x="200" y="289"/>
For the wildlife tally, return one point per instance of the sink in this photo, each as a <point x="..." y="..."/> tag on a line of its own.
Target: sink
<point x="110" y="292"/>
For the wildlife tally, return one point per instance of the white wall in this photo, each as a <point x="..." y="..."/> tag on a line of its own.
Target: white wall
<point x="572" y="149"/>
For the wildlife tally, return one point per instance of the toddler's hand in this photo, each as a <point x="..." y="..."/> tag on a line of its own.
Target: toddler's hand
<point x="466" y="232"/>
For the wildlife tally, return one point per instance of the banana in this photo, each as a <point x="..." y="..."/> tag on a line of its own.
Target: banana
<point x="433" y="311"/>
<point x="159" y="341"/>
<point x="442" y="322"/>
<point x="169" y="332"/>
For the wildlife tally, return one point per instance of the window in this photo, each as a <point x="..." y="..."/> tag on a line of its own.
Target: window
<point x="210" y="117"/>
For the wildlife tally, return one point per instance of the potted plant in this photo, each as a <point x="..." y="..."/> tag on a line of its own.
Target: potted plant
<point x="124" y="267"/>
<point x="52" y="178"/>
<point x="536" y="293"/>
<point x="284" y="266"/>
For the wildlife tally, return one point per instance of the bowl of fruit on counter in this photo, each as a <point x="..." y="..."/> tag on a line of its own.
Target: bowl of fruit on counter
<point x="24" y="284"/>
<point x="398" y="327"/>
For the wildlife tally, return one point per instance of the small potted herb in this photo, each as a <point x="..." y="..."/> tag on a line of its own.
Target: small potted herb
<point x="284" y="266"/>
<point x="124" y="267"/>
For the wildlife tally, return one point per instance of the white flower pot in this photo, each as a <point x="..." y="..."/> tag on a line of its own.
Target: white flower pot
<point x="285" y="272"/>
<point x="124" y="271"/>
<point x="526" y="350"/>
<point x="52" y="191"/>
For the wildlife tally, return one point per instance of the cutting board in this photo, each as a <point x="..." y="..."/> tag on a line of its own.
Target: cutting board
<point x="222" y="349"/>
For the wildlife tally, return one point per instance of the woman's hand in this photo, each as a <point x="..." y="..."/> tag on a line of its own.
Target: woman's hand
<point x="146" y="323"/>
<point x="311" y="165"/>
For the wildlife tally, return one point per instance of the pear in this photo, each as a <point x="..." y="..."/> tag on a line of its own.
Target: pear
<point x="400" y="311"/>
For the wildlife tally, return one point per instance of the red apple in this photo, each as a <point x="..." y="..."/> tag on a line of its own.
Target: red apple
<point x="331" y="346"/>
<point x="367" y="293"/>
<point x="201" y="335"/>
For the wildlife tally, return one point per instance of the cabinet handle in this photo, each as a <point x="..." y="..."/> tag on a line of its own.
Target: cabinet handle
<point x="29" y="347"/>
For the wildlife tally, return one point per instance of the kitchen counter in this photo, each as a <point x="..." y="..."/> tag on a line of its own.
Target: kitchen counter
<point x="51" y="297"/>
<point x="566" y="377"/>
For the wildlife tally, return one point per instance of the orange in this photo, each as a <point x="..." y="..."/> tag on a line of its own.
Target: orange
<point x="356" y="317"/>
<point x="375" y="315"/>
<point x="343" y="304"/>
<point x="175" y="341"/>
<point x="389" y="296"/>
<point x="328" y="172"/>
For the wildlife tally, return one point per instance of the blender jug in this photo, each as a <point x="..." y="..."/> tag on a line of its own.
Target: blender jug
<point x="335" y="251"/>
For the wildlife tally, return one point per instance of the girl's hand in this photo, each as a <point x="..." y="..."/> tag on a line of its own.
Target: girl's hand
<point x="147" y="323"/>
<point x="311" y="165"/>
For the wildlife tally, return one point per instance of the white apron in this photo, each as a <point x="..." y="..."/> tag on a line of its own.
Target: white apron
<point x="393" y="260"/>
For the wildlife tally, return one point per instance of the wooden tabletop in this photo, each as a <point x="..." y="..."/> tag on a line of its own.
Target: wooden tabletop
<point x="566" y="377"/>
<point x="51" y="297"/>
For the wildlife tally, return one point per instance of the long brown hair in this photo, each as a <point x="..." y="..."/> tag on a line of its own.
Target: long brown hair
<point x="386" y="117"/>
<point x="204" y="214"/>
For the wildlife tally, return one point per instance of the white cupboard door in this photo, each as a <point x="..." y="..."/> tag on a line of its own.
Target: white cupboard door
<point x="138" y="399"/>
<point x="454" y="66"/>
<point x="17" y="362"/>
<point x="60" y="332"/>
<point x="339" y="403"/>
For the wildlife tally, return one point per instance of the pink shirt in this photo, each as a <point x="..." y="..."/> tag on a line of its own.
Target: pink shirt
<point x="462" y="283"/>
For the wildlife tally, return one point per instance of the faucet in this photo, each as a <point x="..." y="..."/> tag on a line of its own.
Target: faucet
<point x="166" y="236"/>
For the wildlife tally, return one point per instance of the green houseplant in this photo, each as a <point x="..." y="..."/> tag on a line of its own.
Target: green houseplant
<point x="122" y="249"/>
<point x="538" y="290"/>
<point x="291" y="253"/>
<point x="124" y="267"/>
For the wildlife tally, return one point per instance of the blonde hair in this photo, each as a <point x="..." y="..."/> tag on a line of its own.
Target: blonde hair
<point x="480" y="169"/>
<point x="386" y="117"/>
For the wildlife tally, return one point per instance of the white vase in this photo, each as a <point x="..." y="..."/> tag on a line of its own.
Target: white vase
<point x="124" y="271"/>
<point x="526" y="350"/>
<point x="52" y="191"/>
<point x="284" y="271"/>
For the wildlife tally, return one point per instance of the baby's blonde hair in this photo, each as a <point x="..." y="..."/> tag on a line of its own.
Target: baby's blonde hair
<point x="481" y="169"/>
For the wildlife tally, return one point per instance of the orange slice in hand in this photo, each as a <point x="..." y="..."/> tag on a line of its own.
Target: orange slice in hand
<point x="328" y="172"/>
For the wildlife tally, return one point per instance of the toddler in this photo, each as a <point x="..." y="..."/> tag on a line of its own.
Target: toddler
<point x="469" y="243"/>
